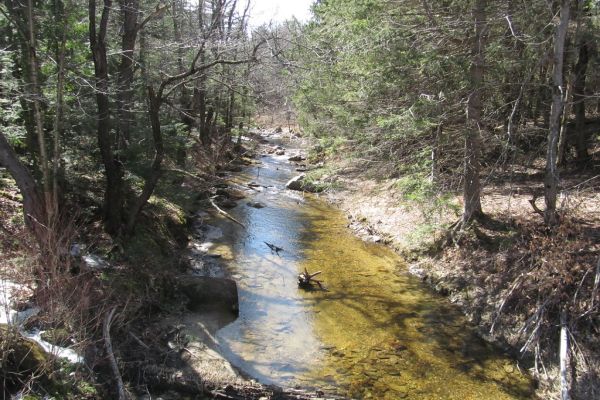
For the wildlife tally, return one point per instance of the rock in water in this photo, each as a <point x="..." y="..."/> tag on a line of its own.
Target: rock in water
<point x="299" y="183"/>
<point x="207" y="293"/>
<point x="296" y="158"/>
<point x="296" y="183"/>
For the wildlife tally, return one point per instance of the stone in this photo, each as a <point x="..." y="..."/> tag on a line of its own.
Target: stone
<point x="255" y="204"/>
<point x="296" y="158"/>
<point x="208" y="293"/>
<point x="296" y="183"/>
<point x="299" y="183"/>
<point x="280" y="152"/>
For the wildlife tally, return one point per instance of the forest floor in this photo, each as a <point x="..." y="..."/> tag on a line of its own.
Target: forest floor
<point x="508" y="273"/>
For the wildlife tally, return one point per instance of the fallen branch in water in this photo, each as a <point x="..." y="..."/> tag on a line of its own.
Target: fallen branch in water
<point x="225" y="214"/>
<point x="274" y="248"/>
<point x="305" y="279"/>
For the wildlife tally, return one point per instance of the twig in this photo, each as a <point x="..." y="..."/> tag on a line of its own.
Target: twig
<point x="137" y="339"/>
<point x="510" y="292"/>
<point x="111" y="355"/>
<point x="535" y="207"/>
<point x="224" y="213"/>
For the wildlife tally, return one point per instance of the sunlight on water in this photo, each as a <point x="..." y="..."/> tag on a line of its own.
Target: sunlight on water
<point x="376" y="333"/>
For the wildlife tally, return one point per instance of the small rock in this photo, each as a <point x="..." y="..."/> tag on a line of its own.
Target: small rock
<point x="280" y="152"/>
<point x="255" y="204"/>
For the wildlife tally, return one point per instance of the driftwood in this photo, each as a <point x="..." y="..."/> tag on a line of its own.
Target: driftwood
<point x="226" y="214"/>
<point x="306" y="279"/>
<point x="274" y="248"/>
<point x="111" y="356"/>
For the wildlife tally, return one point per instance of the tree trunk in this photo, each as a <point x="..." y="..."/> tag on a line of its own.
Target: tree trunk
<point x="36" y="95"/>
<point x="472" y="185"/>
<point x="561" y="157"/>
<point x="113" y="195"/>
<point x="154" y="103"/>
<point x="129" y="13"/>
<point x="57" y="128"/>
<point x="34" y="207"/>
<point x="551" y="178"/>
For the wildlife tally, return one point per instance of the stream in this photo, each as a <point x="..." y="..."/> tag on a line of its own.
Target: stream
<point x="376" y="332"/>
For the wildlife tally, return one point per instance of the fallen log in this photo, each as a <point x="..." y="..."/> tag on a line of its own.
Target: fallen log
<point x="225" y="214"/>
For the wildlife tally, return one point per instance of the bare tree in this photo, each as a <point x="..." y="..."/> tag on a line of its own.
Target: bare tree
<point x="472" y="185"/>
<point x="551" y="179"/>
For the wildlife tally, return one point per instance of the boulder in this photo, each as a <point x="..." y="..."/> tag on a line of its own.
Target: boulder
<point x="296" y="158"/>
<point x="208" y="293"/>
<point x="296" y="183"/>
<point x="22" y="359"/>
<point x="299" y="183"/>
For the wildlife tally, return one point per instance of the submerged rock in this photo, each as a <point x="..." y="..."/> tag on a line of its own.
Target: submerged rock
<point x="255" y="204"/>
<point x="207" y="293"/>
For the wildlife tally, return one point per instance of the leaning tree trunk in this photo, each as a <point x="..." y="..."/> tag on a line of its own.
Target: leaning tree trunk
<point x="472" y="184"/>
<point x="34" y="206"/>
<point x="113" y="195"/>
<point x="154" y="103"/>
<point x="551" y="178"/>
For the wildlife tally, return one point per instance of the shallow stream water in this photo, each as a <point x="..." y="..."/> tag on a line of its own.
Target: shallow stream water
<point x="376" y="332"/>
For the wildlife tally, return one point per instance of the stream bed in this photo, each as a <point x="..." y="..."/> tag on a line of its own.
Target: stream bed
<point x="376" y="332"/>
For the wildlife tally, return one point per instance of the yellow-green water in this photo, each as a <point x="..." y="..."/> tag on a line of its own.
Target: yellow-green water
<point x="376" y="332"/>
